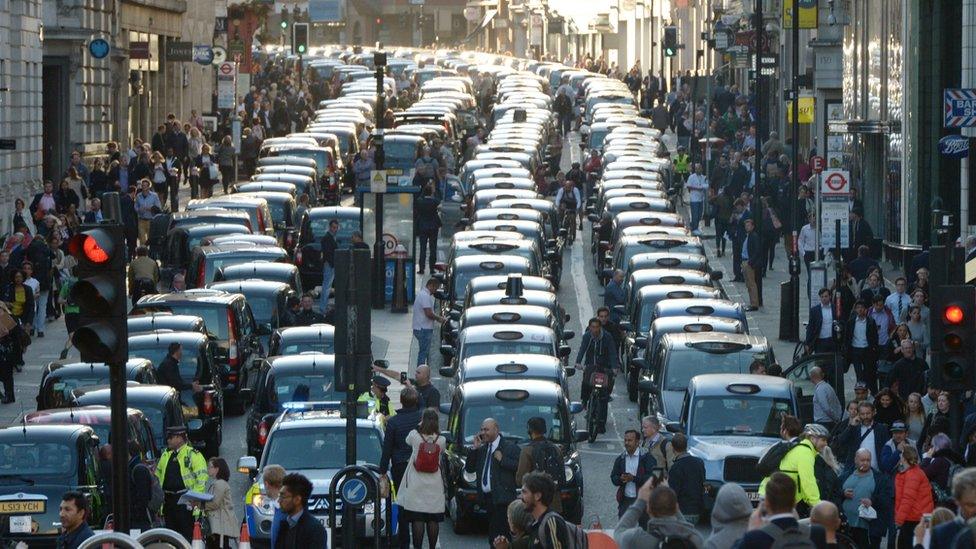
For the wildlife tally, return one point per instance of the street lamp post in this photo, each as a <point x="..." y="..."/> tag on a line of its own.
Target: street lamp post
<point x="757" y="214"/>
<point x="379" y="260"/>
<point x="794" y="259"/>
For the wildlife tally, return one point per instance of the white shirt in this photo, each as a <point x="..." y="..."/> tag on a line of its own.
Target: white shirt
<point x="630" y="467"/>
<point x="898" y="305"/>
<point x="808" y="239"/>
<point x="35" y="285"/>
<point x="868" y="444"/>
<point x="697" y="185"/>
<point x="486" y="479"/>
<point x="424" y="300"/>
<point x="859" y="339"/>
<point x="828" y="321"/>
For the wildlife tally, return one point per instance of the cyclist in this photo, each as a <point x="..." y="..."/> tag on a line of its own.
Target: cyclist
<point x="569" y="202"/>
<point x="598" y="353"/>
<point x="576" y="175"/>
<point x="593" y="170"/>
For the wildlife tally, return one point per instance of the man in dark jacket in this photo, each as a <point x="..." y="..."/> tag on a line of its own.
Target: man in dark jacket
<point x="299" y="529"/>
<point x="168" y="372"/>
<point x="39" y="254"/>
<point x="630" y="471"/>
<point x="820" y="335"/>
<point x="778" y="510"/>
<point x="73" y="513"/>
<point x="861" y="233"/>
<point x="495" y="460"/>
<point x="427" y="220"/>
<point x="329" y="246"/>
<point x="597" y="353"/>
<point x="140" y="489"/>
<point x="687" y="477"/>
<point x="861" y="338"/>
<point x="752" y="262"/>
<point x="130" y="220"/>
<point x="862" y="264"/>
<point x="159" y="139"/>
<point x="306" y="316"/>
<point x="396" y="451"/>
<point x="907" y="376"/>
<point x="859" y="433"/>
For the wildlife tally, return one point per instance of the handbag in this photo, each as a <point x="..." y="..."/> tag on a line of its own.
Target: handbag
<point x="777" y="224"/>
<point x="214" y="171"/>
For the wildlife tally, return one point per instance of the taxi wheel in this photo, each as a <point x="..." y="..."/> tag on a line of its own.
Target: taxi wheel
<point x="459" y="524"/>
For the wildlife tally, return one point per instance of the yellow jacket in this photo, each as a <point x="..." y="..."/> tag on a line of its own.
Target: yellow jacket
<point x="798" y="464"/>
<point x="193" y="467"/>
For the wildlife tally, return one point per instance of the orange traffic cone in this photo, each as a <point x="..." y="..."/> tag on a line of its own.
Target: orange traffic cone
<point x="197" y="536"/>
<point x="244" y="542"/>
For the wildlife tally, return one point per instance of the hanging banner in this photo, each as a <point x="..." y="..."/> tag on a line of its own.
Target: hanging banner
<point x="808" y="13"/>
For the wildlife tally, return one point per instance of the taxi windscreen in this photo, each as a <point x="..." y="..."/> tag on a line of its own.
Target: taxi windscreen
<point x="36" y="461"/>
<point x="737" y="415"/>
<point x="293" y="347"/>
<point x="59" y="389"/>
<point x="321" y="448"/>
<point x="479" y="348"/>
<point x="686" y="363"/>
<point x="302" y="388"/>
<point x="189" y="366"/>
<point x="512" y="417"/>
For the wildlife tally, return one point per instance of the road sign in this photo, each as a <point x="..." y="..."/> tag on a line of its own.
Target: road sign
<point x="179" y="51"/>
<point x="203" y="55"/>
<point x="99" y="48"/>
<point x="353" y="491"/>
<point x="389" y="244"/>
<point x="960" y="108"/>
<point x="836" y="182"/>
<point x="226" y="85"/>
<point x="377" y="181"/>
<point x="768" y="63"/>
<point x="830" y="212"/>
<point x="818" y="163"/>
<point x="326" y="11"/>
<point x="219" y="55"/>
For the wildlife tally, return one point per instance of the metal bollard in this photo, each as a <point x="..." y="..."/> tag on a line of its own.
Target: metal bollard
<point x="399" y="302"/>
<point x="786" y="331"/>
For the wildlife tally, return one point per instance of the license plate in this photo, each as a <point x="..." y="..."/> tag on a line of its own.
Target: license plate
<point x="22" y="507"/>
<point x="20" y="524"/>
<point x="754" y="496"/>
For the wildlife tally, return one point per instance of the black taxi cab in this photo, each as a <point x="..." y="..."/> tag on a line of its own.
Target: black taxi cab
<point x="511" y="402"/>
<point x="165" y="321"/>
<point x="204" y="410"/>
<point x="159" y="403"/>
<point x="486" y="315"/>
<point x="512" y="367"/>
<point x="39" y="463"/>
<point x="462" y="269"/>
<point x="504" y="339"/>
<point x="99" y="418"/>
<point x="296" y="339"/>
<point x="60" y="379"/>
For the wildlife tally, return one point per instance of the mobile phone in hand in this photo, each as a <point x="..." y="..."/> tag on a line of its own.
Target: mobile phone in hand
<point x="403" y="377"/>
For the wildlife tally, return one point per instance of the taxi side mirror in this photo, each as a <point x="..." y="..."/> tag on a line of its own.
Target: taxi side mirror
<point x="640" y="342"/>
<point x="570" y="371"/>
<point x="716" y="275"/>
<point x="454" y="315"/>
<point x="247" y="464"/>
<point x="445" y="407"/>
<point x="673" y="427"/>
<point x="551" y="243"/>
<point x="447" y="351"/>
<point x="593" y="217"/>
<point x="446" y="371"/>
<point x="245" y="395"/>
<point x="640" y="363"/>
<point x="563" y="232"/>
<point x="626" y="325"/>
<point x="564" y="351"/>
<point x="581" y="435"/>
<point x="568" y="334"/>
<point x="382" y="363"/>
<point x="647" y="386"/>
<point x="440" y="294"/>
<point x="575" y="407"/>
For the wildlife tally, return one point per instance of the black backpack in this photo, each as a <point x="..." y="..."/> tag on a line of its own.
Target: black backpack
<point x="547" y="459"/>
<point x="793" y="537"/>
<point x="561" y="103"/>
<point x="665" y="541"/>
<point x="769" y="462"/>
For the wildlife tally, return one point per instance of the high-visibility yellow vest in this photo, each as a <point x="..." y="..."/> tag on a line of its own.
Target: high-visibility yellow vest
<point x="681" y="163"/>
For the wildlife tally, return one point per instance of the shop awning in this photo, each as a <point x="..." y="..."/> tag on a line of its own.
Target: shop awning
<point x="485" y="21"/>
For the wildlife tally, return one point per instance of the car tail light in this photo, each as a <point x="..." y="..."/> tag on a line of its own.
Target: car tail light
<point x="289" y="240"/>
<point x="261" y="223"/>
<point x="233" y="359"/>
<point x="208" y="403"/>
<point x="202" y="274"/>
<point x="262" y="433"/>
<point x="298" y="258"/>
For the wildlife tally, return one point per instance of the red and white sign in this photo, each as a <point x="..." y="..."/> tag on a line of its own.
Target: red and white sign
<point x="835" y="182"/>
<point x="227" y="69"/>
<point x="818" y="163"/>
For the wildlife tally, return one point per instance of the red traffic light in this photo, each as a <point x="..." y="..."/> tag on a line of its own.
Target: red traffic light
<point x="953" y="314"/>
<point x="95" y="246"/>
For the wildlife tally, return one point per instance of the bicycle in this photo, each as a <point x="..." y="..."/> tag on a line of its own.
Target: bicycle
<point x="569" y="223"/>
<point x="599" y="380"/>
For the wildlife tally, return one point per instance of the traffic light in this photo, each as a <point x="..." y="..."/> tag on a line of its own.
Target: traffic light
<point x="953" y="327"/>
<point x="100" y="293"/>
<point x="299" y="39"/>
<point x="670" y="41"/>
<point x="284" y="19"/>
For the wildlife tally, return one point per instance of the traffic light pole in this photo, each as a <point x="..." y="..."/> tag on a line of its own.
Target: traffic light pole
<point x="794" y="254"/>
<point x="379" y="259"/>
<point x="757" y="214"/>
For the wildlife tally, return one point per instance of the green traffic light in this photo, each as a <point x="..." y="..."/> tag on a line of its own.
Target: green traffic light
<point x="301" y="48"/>
<point x="284" y="24"/>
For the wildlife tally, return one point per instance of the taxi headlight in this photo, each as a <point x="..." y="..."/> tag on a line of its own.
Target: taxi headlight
<point x="569" y="473"/>
<point x="263" y="504"/>
<point x="469" y="477"/>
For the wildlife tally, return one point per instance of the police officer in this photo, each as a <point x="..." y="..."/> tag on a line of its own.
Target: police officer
<point x="180" y="468"/>
<point x="682" y="167"/>
<point x="377" y="398"/>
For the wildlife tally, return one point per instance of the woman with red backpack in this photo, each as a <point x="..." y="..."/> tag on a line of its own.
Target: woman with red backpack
<point x="421" y="494"/>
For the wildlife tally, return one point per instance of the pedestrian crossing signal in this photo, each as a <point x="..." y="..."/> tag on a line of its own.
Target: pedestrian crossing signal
<point x="299" y="40"/>
<point x="670" y="41"/>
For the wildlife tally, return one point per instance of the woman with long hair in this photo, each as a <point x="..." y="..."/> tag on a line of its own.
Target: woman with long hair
<point x="78" y="185"/>
<point x="889" y="408"/>
<point x="209" y="172"/>
<point x="937" y="463"/>
<point x="421" y="493"/>
<point x="65" y="196"/>
<point x="936" y="422"/>
<point x="22" y="217"/>
<point x="918" y="329"/>
<point x="226" y="159"/>
<point x="224" y="526"/>
<point x="913" y="496"/>
<point x="915" y="417"/>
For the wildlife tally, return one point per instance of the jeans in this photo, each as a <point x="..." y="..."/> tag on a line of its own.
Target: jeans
<point x="328" y="275"/>
<point x="566" y="123"/>
<point x="428" y="238"/>
<point x="40" y="311"/>
<point x="697" y="208"/>
<point x="423" y="344"/>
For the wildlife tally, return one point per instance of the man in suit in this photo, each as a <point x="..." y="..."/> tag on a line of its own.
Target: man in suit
<point x="863" y="431"/>
<point x="630" y="471"/>
<point x="752" y="263"/>
<point x="861" y="233"/>
<point x="495" y="460"/>
<point x="861" y="337"/>
<point x="777" y="512"/>
<point x="94" y="213"/>
<point x="964" y="494"/>
<point x="864" y="262"/>
<point x="299" y="529"/>
<point x="819" y="337"/>
<point x="740" y="213"/>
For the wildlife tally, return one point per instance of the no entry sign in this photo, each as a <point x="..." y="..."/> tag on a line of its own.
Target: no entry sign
<point x="835" y="182"/>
